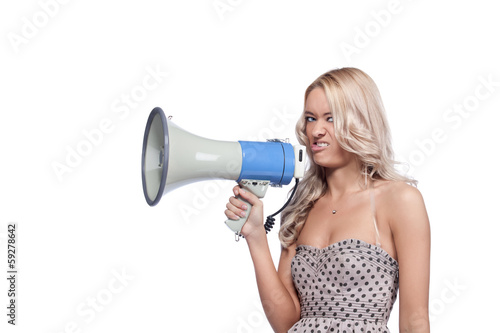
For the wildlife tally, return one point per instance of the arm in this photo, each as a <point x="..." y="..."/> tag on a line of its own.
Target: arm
<point x="277" y="292"/>
<point x="411" y="231"/>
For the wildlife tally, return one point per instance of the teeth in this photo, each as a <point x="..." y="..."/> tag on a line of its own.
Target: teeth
<point x="322" y="144"/>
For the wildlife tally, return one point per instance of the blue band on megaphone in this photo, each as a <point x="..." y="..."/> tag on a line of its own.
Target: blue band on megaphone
<point x="273" y="161"/>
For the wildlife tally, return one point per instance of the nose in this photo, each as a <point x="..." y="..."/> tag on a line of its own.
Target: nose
<point x="318" y="129"/>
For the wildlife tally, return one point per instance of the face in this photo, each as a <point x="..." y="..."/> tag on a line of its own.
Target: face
<point x="320" y="132"/>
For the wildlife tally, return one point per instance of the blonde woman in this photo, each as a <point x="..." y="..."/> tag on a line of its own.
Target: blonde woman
<point x="356" y="230"/>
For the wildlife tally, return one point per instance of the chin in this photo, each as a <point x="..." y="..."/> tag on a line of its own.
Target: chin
<point x="328" y="162"/>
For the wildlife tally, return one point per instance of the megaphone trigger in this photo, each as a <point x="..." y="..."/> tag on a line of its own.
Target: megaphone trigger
<point x="257" y="187"/>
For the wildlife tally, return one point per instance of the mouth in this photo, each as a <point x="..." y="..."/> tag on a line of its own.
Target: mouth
<point x="319" y="145"/>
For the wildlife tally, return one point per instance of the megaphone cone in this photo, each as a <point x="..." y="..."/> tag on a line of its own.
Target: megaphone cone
<point x="173" y="157"/>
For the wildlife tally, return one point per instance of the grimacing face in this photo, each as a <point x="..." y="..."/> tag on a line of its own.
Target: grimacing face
<point x="321" y="133"/>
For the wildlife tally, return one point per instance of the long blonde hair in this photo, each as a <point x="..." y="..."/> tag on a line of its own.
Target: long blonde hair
<point x="360" y="127"/>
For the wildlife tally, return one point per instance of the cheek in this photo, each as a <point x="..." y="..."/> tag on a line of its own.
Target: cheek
<point x="335" y="142"/>
<point x="308" y="133"/>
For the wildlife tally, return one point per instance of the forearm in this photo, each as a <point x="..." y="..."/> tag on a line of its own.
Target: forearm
<point x="278" y="304"/>
<point x="413" y="319"/>
<point x="415" y="326"/>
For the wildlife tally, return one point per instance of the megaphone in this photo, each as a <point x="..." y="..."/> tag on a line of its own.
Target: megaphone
<point x="173" y="157"/>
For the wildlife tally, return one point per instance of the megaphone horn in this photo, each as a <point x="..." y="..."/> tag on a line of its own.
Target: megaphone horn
<point x="173" y="157"/>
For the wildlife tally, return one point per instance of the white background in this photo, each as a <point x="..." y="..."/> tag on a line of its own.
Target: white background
<point x="237" y="70"/>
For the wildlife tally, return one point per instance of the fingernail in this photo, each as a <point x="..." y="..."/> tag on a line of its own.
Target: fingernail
<point x="244" y="207"/>
<point x="243" y="213"/>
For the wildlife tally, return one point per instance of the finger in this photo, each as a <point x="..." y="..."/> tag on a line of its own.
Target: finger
<point x="235" y="209"/>
<point x="238" y="203"/>
<point x="230" y="215"/>
<point x="236" y="189"/>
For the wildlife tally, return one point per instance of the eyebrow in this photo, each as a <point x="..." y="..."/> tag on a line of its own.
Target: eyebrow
<point x="312" y="114"/>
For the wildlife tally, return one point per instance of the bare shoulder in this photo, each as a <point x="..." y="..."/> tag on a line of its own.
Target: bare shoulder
<point x="402" y="204"/>
<point x="398" y="195"/>
<point x="398" y="191"/>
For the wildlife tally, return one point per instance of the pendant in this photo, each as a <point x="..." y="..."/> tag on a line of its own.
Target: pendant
<point x="334" y="211"/>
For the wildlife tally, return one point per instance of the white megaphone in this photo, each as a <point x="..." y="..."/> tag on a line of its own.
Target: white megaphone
<point x="173" y="157"/>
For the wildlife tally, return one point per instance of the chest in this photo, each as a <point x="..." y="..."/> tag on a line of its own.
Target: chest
<point x="352" y="219"/>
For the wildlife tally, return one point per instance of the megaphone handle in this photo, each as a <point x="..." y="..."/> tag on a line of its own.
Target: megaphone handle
<point x="257" y="187"/>
<point x="237" y="225"/>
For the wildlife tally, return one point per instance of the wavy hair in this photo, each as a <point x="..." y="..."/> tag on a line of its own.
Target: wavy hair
<point x="360" y="127"/>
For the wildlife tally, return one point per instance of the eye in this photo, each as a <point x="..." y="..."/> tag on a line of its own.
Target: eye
<point x="330" y="119"/>
<point x="310" y="119"/>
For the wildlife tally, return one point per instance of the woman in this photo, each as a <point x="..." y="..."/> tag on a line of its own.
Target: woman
<point x="356" y="230"/>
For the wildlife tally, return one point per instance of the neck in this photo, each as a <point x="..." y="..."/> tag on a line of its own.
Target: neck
<point x="343" y="181"/>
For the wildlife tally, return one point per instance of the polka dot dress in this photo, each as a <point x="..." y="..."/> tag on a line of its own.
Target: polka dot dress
<point x="347" y="287"/>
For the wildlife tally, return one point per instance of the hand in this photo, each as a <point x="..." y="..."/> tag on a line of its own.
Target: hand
<point x="236" y="209"/>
